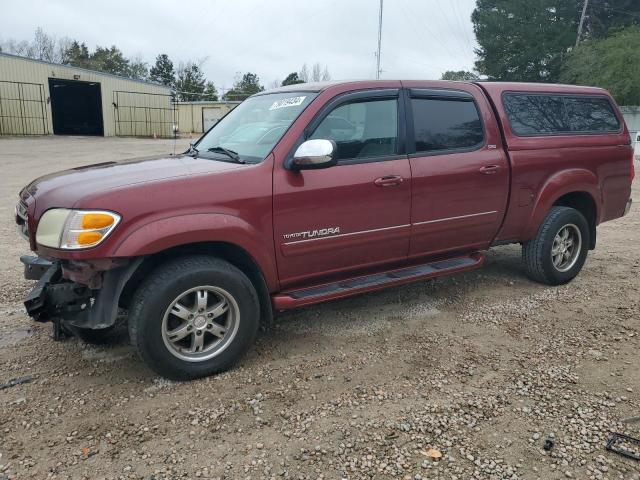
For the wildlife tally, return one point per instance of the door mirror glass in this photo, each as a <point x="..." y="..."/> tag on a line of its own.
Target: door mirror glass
<point x="318" y="153"/>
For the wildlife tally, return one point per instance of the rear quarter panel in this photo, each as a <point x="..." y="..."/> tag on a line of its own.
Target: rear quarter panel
<point x="543" y="168"/>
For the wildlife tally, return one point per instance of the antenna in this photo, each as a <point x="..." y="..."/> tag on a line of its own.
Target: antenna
<point x="379" y="42"/>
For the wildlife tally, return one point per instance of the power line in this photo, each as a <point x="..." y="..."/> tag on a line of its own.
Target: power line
<point x="450" y="26"/>
<point x="458" y="10"/>
<point x="625" y="12"/>
<point x="444" y="46"/>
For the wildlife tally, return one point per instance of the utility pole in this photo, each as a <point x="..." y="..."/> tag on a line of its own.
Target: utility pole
<point x="379" y="42"/>
<point x="584" y="11"/>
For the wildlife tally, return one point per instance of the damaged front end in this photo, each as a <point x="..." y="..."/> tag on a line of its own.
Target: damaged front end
<point x="76" y="294"/>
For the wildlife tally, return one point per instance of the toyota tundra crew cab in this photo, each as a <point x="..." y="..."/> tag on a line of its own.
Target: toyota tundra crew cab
<point x="314" y="192"/>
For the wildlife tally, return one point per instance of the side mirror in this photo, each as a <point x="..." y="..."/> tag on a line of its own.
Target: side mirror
<point x="314" y="154"/>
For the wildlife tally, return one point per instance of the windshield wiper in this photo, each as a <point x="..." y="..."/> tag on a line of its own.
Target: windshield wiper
<point x="229" y="153"/>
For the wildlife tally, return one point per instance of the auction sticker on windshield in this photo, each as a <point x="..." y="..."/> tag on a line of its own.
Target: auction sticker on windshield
<point x="287" y="102"/>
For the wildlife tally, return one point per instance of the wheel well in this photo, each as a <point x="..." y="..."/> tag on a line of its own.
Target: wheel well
<point x="233" y="254"/>
<point x="584" y="203"/>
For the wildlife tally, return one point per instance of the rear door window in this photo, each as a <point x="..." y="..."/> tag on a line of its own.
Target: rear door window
<point x="445" y="124"/>
<point x="539" y="115"/>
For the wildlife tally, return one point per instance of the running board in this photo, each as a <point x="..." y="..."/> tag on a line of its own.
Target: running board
<point x="376" y="281"/>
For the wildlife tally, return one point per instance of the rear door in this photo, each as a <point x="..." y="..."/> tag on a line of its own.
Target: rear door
<point x="354" y="215"/>
<point x="460" y="173"/>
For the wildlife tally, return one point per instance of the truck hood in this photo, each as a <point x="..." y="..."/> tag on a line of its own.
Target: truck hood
<point x="68" y="187"/>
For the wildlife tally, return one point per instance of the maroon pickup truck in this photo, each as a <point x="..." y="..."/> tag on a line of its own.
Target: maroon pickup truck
<point x="314" y="192"/>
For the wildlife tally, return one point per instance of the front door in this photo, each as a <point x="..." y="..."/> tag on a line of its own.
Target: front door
<point x="354" y="215"/>
<point x="460" y="173"/>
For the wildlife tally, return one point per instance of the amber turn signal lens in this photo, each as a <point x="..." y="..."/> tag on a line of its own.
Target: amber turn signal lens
<point x="88" y="238"/>
<point x="93" y="221"/>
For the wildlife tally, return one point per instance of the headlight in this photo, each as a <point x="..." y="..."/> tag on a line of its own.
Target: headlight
<point x="75" y="229"/>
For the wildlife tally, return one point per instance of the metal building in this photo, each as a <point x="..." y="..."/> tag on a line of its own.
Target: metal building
<point x="198" y="117"/>
<point x="632" y="119"/>
<point x="42" y="98"/>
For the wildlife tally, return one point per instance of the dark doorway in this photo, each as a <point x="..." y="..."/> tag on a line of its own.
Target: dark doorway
<point x="76" y="107"/>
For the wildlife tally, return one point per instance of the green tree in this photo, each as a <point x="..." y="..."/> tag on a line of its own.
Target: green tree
<point x="461" y="75"/>
<point x="606" y="16"/>
<point x="109" y="60"/>
<point x="190" y="82"/>
<point x="244" y="87"/>
<point x="612" y="63"/>
<point x="292" y="79"/>
<point x="76" y="55"/>
<point x="210" y="92"/>
<point x="163" y="72"/>
<point x="520" y="40"/>
<point x="138" y="69"/>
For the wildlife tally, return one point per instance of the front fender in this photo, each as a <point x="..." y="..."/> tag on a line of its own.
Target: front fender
<point x="179" y="230"/>
<point x="559" y="184"/>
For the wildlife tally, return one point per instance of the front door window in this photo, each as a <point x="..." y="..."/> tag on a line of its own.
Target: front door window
<point x="362" y="129"/>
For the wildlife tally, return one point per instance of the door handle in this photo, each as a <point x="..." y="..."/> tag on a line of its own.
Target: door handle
<point x="490" y="169"/>
<point x="389" y="181"/>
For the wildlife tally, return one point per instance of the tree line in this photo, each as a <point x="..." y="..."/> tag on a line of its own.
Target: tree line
<point x="518" y="41"/>
<point x="187" y="81"/>
<point x="526" y="41"/>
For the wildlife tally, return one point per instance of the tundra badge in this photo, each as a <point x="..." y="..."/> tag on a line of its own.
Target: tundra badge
<point x="309" y="234"/>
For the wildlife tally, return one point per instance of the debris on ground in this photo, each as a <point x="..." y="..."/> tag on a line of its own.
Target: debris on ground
<point x="624" y="445"/>
<point x="433" y="453"/>
<point x="16" y="381"/>
<point x="631" y="419"/>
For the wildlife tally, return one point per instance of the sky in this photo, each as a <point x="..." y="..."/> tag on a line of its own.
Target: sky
<point x="420" y="38"/>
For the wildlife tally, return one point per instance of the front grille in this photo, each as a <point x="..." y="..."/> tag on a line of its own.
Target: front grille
<point x="22" y="220"/>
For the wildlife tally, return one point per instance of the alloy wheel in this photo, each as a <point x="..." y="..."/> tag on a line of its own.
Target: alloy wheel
<point x="200" y="323"/>
<point x="566" y="247"/>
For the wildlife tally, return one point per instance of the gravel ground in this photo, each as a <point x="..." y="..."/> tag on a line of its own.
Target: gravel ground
<point x="481" y="368"/>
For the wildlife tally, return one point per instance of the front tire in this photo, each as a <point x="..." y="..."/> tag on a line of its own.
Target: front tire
<point x="193" y="317"/>
<point x="558" y="252"/>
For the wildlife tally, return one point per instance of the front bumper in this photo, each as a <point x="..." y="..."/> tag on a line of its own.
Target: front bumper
<point x="52" y="297"/>
<point x="55" y="298"/>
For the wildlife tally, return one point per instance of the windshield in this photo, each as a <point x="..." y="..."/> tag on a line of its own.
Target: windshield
<point x="254" y="127"/>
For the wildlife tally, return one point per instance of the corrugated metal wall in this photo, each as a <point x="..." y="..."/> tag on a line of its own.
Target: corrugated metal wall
<point x="632" y="119"/>
<point x="25" y="99"/>
<point x="23" y="109"/>
<point x="142" y="114"/>
<point x="190" y="114"/>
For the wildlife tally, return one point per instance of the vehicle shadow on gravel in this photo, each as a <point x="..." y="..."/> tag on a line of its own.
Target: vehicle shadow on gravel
<point x="300" y="332"/>
<point x="413" y="304"/>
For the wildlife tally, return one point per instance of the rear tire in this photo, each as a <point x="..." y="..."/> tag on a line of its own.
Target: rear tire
<point x="193" y="317"/>
<point x="558" y="252"/>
